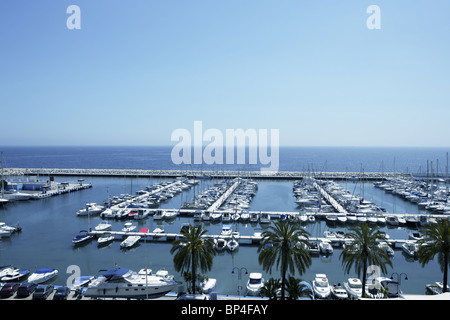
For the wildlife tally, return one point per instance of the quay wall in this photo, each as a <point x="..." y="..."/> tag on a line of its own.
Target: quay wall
<point x="289" y="175"/>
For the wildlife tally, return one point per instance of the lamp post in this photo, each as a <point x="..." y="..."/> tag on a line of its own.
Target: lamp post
<point x="399" y="278"/>
<point x="239" y="278"/>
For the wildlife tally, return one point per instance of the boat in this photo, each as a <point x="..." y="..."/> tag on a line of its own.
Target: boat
<point x="302" y="217"/>
<point x="341" y="218"/>
<point x="226" y="217"/>
<point x="410" y="248"/>
<point x="255" y="283"/>
<point x="207" y="285"/>
<point x="325" y="247"/>
<point x="215" y="216"/>
<point x="415" y="236"/>
<point x="254" y="217"/>
<point x="245" y="216"/>
<point x="321" y="287"/>
<point x="128" y="227"/>
<point x="125" y="283"/>
<point x="436" y="288"/>
<point x="232" y="244"/>
<point x="413" y="220"/>
<point x="331" y="218"/>
<point x="42" y="275"/>
<point x="392" y="220"/>
<point x="220" y="244"/>
<point x="311" y="217"/>
<point x="354" y="288"/>
<point x="14" y="275"/>
<point x="105" y="238"/>
<point x="361" y="218"/>
<point x="79" y="283"/>
<point x="351" y="218"/>
<point x="103" y="226"/>
<point x="338" y="292"/>
<point x="82" y="237"/>
<point x="226" y="231"/>
<point x="90" y="209"/>
<point x="313" y="248"/>
<point x="141" y="214"/>
<point x="386" y="247"/>
<point x="158" y="229"/>
<point x="264" y="218"/>
<point x="206" y="216"/>
<point x="129" y="242"/>
<point x="159" y="215"/>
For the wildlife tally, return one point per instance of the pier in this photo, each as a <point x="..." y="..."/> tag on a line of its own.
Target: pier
<point x="225" y="174"/>
<point x="218" y="203"/>
<point x="330" y="199"/>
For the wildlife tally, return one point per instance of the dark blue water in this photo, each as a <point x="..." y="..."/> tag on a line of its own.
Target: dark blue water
<point x="50" y="224"/>
<point x="343" y="159"/>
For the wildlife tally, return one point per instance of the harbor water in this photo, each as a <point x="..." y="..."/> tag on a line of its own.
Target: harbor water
<point x="48" y="226"/>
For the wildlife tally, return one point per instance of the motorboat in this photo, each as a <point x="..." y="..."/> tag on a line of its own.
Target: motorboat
<point x="103" y="226"/>
<point x="81" y="282"/>
<point x="220" y="244"/>
<point x="361" y="217"/>
<point x="141" y="214"/>
<point x="415" y="236"/>
<point x="82" y="237"/>
<point x="302" y="217"/>
<point x="410" y="248"/>
<point x="311" y="218"/>
<point x="125" y="283"/>
<point x="325" y="247"/>
<point x="254" y="217"/>
<point x="338" y="292"/>
<point x="245" y="216"/>
<point x="255" y="283"/>
<point x="129" y="242"/>
<point x="321" y="287"/>
<point x="11" y="229"/>
<point x="14" y="275"/>
<point x="264" y="218"/>
<point x="232" y="244"/>
<point x="42" y="275"/>
<point x="105" y="238"/>
<point x="159" y="215"/>
<point x="226" y="217"/>
<point x="341" y="218"/>
<point x="215" y="216"/>
<point x="331" y="218"/>
<point x="436" y="288"/>
<point x="354" y="288"/>
<point x="351" y="218"/>
<point x="392" y="220"/>
<point x="128" y="227"/>
<point x="386" y="247"/>
<point x="206" y="216"/>
<point x="313" y="248"/>
<point x="226" y="231"/>
<point x="207" y="285"/>
<point x="90" y="209"/>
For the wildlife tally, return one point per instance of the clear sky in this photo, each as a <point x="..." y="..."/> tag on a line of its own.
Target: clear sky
<point x="137" y="70"/>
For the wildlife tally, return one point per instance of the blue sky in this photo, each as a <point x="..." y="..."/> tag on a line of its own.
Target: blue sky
<point x="137" y="70"/>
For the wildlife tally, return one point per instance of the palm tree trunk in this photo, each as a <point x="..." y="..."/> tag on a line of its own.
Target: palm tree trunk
<point x="193" y="271"/>
<point x="364" y="279"/>
<point x="283" y="282"/>
<point x="444" y="289"/>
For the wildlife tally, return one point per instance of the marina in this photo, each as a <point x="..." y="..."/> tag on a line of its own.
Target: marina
<point x="156" y="224"/>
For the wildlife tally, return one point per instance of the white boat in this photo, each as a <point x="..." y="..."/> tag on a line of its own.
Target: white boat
<point x="226" y="217"/>
<point x="159" y="215"/>
<point x="351" y="218"/>
<point x="410" y="248"/>
<point x="313" y="248"/>
<point x="158" y="230"/>
<point x="125" y="283"/>
<point x="4" y="233"/>
<point x="14" y="195"/>
<point x="341" y="218"/>
<point x="220" y="244"/>
<point x="208" y="285"/>
<point x="128" y="227"/>
<point x="392" y="220"/>
<point x="325" y="247"/>
<point x="338" y="292"/>
<point x="82" y="237"/>
<point x="311" y="218"/>
<point x="245" y="216"/>
<point x="232" y="244"/>
<point x="206" y="216"/>
<point x="254" y="217"/>
<point x="81" y="282"/>
<point x="42" y="275"/>
<point x="255" y="283"/>
<point x="90" y="209"/>
<point x="103" y="226"/>
<point x="321" y="287"/>
<point x="264" y="218"/>
<point x="14" y="275"/>
<point x="226" y="231"/>
<point x="105" y="238"/>
<point x="386" y="247"/>
<point x="332" y="218"/>
<point x="354" y="288"/>
<point x="141" y="214"/>
<point x="415" y="236"/>
<point x="170" y="214"/>
<point x="361" y="217"/>
<point x="129" y="242"/>
<point x="216" y="216"/>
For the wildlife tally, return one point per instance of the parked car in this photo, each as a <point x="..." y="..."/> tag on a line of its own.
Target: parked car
<point x="9" y="289"/>
<point x="43" y="291"/>
<point x="61" y="293"/>
<point x="26" y="288"/>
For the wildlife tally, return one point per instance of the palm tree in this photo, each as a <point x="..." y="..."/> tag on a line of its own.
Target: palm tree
<point x="270" y="288"/>
<point x="285" y="245"/>
<point x="436" y="240"/>
<point x="193" y="251"/>
<point x="363" y="251"/>
<point x="296" y="289"/>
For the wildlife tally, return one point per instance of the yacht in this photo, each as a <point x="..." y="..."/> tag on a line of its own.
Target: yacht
<point x="354" y="288"/>
<point x="410" y="248"/>
<point x="103" y="226"/>
<point x="325" y="247"/>
<point x="338" y="292"/>
<point x="321" y="287"/>
<point x="226" y="230"/>
<point x="255" y="283"/>
<point x="125" y="283"/>
<point x="129" y="242"/>
<point x="90" y="209"/>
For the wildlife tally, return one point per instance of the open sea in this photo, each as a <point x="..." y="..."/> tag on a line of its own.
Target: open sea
<point x="48" y="225"/>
